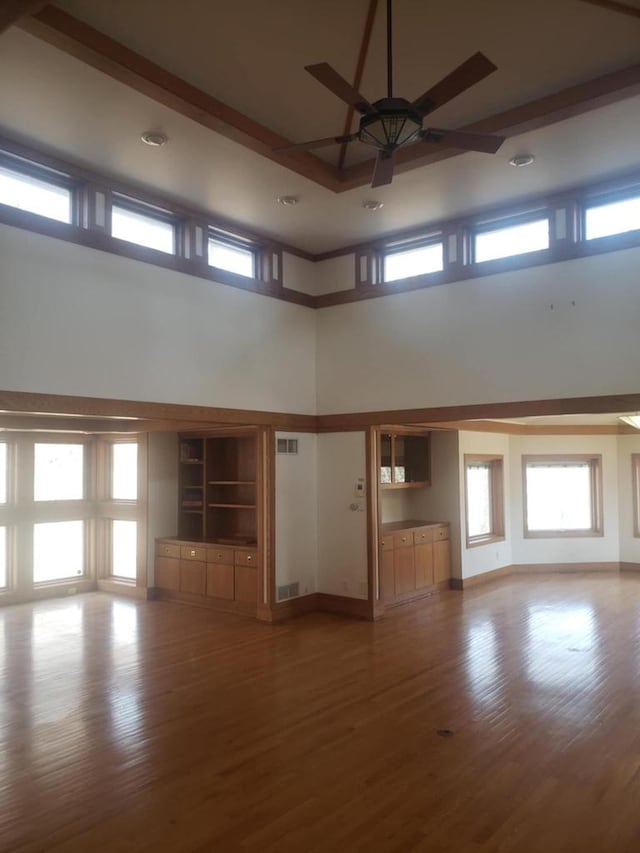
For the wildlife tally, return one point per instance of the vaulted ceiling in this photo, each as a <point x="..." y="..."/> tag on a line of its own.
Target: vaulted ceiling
<point x="225" y="81"/>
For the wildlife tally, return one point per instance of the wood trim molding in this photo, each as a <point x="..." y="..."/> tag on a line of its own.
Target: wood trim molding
<point x="536" y="429"/>
<point x="98" y="50"/>
<point x="360" y="608"/>
<point x="87" y="44"/>
<point x="614" y="6"/>
<point x="13" y="11"/>
<point x="129" y="590"/>
<point x="538" y="569"/>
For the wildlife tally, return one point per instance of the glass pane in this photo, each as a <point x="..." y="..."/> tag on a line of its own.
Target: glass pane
<point x="124" y="472"/>
<point x="58" y="550"/>
<point x="415" y="454"/>
<point x="385" y="458"/>
<point x="559" y="497"/>
<point x="3" y="557"/>
<point x="479" y="499"/>
<point x="614" y="218"/>
<point x="124" y="549"/>
<point x="514" y="240"/>
<point x="3" y="472"/>
<point x="231" y="258"/>
<point x="58" y="472"/>
<point x="419" y="261"/>
<point x="34" y="195"/>
<point x="143" y="230"/>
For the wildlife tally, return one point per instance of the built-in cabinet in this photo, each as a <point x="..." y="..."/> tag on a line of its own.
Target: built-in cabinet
<point x="414" y="559"/>
<point x="215" y="557"/>
<point x="404" y="459"/>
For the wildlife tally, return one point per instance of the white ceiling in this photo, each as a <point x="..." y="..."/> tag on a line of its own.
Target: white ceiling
<point x="251" y="54"/>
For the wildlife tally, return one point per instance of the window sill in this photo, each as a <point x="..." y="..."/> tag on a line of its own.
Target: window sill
<point x="489" y="539"/>
<point x="563" y="534"/>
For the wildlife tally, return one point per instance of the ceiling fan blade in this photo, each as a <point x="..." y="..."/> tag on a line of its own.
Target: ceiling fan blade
<point x="475" y="69"/>
<point x="483" y="142"/>
<point x="383" y="171"/>
<point x="325" y="74"/>
<point x="318" y="143"/>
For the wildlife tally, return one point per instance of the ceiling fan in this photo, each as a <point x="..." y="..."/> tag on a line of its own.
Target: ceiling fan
<point x="392" y="123"/>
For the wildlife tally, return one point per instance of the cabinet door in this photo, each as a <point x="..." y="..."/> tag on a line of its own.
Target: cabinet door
<point x="220" y="580"/>
<point x="246" y="584"/>
<point x="424" y="565"/>
<point x="387" y="581"/>
<point x="404" y="570"/>
<point x="441" y="560"/>
<point x="167" y="573"/>
<point x="193" y="577"/>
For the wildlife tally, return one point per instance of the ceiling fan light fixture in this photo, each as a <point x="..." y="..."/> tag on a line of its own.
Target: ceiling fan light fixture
<point x="393" y="124"/>
<point x="287" y="200"/>
<point x="371" y="204"/>
<point x="631" y="420"/>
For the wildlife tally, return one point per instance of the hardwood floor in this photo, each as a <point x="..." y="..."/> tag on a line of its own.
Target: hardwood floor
<point x="149" y="726"/>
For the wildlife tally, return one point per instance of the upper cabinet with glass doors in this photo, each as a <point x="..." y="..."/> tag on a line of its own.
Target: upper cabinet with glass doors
<point x="404" y="460"/>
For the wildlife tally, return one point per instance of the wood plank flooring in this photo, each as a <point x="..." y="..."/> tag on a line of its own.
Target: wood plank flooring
<point x="150" y="726"/>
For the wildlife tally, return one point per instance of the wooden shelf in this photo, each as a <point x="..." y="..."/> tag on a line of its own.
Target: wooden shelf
<point x="231" y="482"/>
<point x="193" y="511"/>
<point x="233" y="506"/>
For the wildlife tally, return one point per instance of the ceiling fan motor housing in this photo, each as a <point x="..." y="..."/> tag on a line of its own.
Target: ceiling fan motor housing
<point x="394" y="123"/>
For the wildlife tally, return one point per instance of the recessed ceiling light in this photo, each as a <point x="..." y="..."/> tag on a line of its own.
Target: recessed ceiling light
<point x="522" y="160"/>
<point x="372" y="205"/>
<point x="154" y="138"/>
<point x="287" y="200"/>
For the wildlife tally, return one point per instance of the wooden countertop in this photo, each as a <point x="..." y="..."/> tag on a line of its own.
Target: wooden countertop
<point x="410" y="524"/>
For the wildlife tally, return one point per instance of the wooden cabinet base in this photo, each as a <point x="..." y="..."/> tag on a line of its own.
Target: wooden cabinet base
<point x="242" y="608"/>
<point x="414" y="560"/>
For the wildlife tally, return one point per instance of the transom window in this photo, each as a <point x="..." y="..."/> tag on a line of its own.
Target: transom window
<point x="35" y="194"/>
<point x="124" y="471"/>
<point x="142" y="225"/>
<point x="412" y="260"/>
<point x="493" y="242"/>
<point x="563" y="495"/>
<point x="484" y="497"/>
<point x="231" y="256"/>
<point x="616" y="217"/>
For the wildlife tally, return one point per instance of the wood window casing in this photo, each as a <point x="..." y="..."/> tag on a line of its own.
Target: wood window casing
<point x="594" y="461"/>
<point x="635" y="485"/>
<point x="495" y="464"/>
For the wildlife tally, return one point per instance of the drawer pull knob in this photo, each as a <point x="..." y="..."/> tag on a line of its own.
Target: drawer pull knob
<point x="249" y="558"/>
<point x="404" y="538"/>
<point x="193" y="553"/>
<point x="219" y="556"/>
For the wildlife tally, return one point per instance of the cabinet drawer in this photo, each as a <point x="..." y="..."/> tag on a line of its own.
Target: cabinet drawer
<point x="403" y="540"/>
<point x="423" y="536"/>
<point x="246" y="558"/>
<point x="221" y="556"/>
<point x="167" y="549"/>
<point x="441" y="533"/>
<point x="193" y="577"/>
<point x="193" y="552"/>
<point x="167" y="573"/>
<point x="386" y="543"/>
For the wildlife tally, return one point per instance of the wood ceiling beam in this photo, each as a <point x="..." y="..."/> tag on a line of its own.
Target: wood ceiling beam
<point x="614" y="6"/>
<point x="12" y="11"/>
<point x="574" y="101"/>
<point x="357" y="80"/>
<point x="78" y="39"/>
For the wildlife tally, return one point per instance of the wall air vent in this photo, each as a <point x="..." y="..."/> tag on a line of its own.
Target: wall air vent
<point x="291" y="590"/>
<point x="287" y="445"/>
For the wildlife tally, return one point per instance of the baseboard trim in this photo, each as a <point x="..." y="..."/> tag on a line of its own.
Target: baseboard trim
<point x="293" y="608"/>
<point x="239" y="608"/>
<point x="360" y="608"/>
<point x="128" y="590"/>
<point x="538" y="569"/>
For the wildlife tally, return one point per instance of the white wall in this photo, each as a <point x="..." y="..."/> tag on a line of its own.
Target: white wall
<point x="629" y="545"/>
<point x="493" y="555"/>
<point x="299" y="274"/>
<point x="342" y="533"/>
<point x="296" y="514"/>
<point x="592" y="549"/>
<point x="162" y="492"/>
<point x="336" y="274"/>
<point x="441" y="501"/>
<point x="490" y="339"/>
<point x="82" y="322"/>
